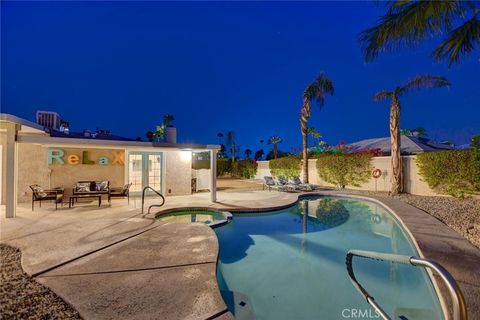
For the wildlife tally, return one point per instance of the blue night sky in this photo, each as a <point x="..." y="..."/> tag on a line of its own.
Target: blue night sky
<point x="220" y="66"/>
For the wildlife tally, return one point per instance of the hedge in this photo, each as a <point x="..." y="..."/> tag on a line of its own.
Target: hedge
<point x="244" y="168"/>
<point x="224" y="167"/>
<point x="344" y="169"/>
<point x="240" y="168"/>
<point x="453" y="172"/>
<point x="287" y="166"/>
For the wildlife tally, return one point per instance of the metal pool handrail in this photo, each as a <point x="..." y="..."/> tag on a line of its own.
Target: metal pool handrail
<point x="153" y="205"/>
<point x="459" y="306"/>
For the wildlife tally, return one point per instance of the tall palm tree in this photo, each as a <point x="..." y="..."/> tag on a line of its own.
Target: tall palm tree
<point x="411" y="22"/>
<point x="314" y="92"/>
<point x="275" y="140"/>
<point x="420" y="82"/>
<point x="220" y="136"/>
<point x="231" y="143"/>
<point x="248" y="153"/>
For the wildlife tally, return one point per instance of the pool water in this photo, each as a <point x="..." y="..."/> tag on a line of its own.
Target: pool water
<point x="187" y="216"/>
<point x="290" y="264"/>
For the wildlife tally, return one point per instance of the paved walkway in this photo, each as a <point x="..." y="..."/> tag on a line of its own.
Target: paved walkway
<point x="114" y="263"/>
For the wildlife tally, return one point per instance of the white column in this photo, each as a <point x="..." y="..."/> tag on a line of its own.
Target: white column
<point x="11" y="168"/>
<point x="213" y="175"/>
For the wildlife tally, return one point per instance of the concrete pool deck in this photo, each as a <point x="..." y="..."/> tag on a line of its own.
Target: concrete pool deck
<point x="112" y="262"/>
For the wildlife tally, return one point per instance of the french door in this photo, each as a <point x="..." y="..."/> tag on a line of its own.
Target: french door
<point x="144" y="169"/>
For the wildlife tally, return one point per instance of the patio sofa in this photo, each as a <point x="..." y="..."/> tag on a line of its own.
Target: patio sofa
<point x="92" y="188"/>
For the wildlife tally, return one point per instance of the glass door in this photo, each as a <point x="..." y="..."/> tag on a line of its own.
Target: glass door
<point x="145" y="169"/>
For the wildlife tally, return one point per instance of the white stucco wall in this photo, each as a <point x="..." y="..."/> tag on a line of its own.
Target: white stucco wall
<point x="413" y="181"/>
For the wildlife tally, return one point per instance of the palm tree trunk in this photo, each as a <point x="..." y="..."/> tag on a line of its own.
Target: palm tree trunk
<point x="233" y="153"/>
<point x="396" y="161"/>
<point x="304" y="115"/>
<point x="275" y="151"/>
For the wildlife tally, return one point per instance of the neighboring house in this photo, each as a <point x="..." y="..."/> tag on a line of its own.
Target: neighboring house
<point x="409" y="145"/>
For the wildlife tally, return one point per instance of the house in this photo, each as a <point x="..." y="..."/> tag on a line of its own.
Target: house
<point x="410" y="145"/>
<point x="35" y="154"/>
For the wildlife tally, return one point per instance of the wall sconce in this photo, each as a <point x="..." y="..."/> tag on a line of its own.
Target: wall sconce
<point x="185" y="155"/>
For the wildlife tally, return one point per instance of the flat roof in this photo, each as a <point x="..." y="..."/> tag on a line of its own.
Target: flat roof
<point x="66" y="141"/>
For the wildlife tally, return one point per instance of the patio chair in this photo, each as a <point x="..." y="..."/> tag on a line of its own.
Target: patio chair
<point x="120" y="192"/>
<point x="39" y="194"/>
<point x="286" y="186"/>
<point x="301" y="186"/>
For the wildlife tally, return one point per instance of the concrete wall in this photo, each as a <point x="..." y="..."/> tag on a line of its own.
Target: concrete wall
<point x="178" y="173"/>
<point x="32" y="169"/>
<point x="67" y="175"/>
<point x="413" y="181"/>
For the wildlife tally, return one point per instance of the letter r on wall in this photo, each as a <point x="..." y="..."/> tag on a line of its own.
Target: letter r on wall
<point x="56" y="154"/>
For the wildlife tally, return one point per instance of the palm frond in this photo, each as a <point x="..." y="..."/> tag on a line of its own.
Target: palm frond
<point x="459" y="42"/>
<point x="408" y="23"/>
<point x="274" y="140"/>
<point x="425" y="81"/>
<point x="317" y="90"/>
<point x="382" y="95"/>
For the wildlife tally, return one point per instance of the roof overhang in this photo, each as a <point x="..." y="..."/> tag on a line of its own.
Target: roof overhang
<point x="111" y="144"/>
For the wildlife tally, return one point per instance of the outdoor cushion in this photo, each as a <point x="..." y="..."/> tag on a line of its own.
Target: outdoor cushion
<point x="82" y="187"/>
<point x="102" y="185"/>
<point x="39" y="191"/>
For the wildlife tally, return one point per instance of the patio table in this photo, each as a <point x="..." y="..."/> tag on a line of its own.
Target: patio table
<point x="71" y="199"/>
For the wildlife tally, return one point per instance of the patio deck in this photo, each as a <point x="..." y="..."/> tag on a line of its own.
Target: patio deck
<point x="112" y="262"/>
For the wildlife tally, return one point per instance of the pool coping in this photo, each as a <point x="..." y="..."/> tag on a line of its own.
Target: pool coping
<point x="340" y="194"/>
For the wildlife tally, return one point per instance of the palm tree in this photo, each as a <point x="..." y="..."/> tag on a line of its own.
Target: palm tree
<point x="411" y="22"/>
<point x="167" y="119"/>
<point x="149" y="135"/>
<point x="419" y="82"/>
<point x="275" y="140"/>
<point x="248" y="153"/>
<point x="220" y="136"/>
<point x="314" y="92"/>
<point x="231" y="143"/>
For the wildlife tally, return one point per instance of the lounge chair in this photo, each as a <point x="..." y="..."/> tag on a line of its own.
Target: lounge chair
<point x="286" y="186"/>
<point x="120" y="192"/>
<point x="39" y="194"/>
<point x="301" y="186"/>
<point x="270" y="184"/>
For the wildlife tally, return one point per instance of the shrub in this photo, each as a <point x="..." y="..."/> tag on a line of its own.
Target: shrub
<point x="453" y="172"/>
<point x="288" y="167"/>
<point x="344" y="169"/>
<point x="244" y="168"/>
<point x="224" y="166"/>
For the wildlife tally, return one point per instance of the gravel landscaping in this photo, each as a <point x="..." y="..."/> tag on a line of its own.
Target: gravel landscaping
<point x="21" y="297"/>
<point x="463" y="216"/>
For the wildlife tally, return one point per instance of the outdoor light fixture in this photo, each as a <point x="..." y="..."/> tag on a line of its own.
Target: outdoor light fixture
<point x="185" y="155"/>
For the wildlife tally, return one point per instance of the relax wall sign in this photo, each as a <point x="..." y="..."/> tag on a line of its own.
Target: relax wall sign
<point x="58" y="156"/>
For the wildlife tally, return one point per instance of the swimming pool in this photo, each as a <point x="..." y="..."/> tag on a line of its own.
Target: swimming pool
<point x="290" y="264"/>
